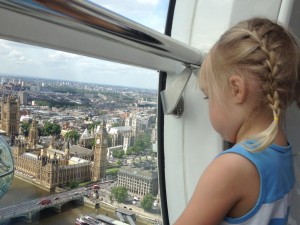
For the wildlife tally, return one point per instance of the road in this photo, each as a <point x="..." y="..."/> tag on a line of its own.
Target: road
<point x="25" y="208"/>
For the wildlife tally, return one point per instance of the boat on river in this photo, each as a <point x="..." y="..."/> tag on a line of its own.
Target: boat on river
<point x="97" y="220"/>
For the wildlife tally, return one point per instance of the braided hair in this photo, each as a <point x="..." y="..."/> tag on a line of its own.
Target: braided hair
<point x="266" y="55"/>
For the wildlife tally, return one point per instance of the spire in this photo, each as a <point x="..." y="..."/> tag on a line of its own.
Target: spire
<point x="103" y="125"/>
<point x="85" y="134"/>
<point x="52" y="142"/>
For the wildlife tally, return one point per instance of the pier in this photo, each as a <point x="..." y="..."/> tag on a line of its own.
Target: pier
<point x="126" y="215"/>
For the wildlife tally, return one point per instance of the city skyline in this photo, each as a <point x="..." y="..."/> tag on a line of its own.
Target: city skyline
<point x="20" y="77"/>
<point x="22" y="59"/>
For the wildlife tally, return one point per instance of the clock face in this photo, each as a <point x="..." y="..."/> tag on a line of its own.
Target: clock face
<point x="98" y="141"/>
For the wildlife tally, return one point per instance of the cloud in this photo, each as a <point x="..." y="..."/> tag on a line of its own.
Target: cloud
<point x="58" y="55"/>
<point x="22" y="59"/>
<point x="16" y="55"/>
<point x="148" y="2"/>
<point x="3" y="44"/>
<point x="151" y="13"/>
<point x="12" y="51"/>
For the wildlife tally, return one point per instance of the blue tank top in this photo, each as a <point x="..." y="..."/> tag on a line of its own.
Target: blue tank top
<point x="277" y="179"/>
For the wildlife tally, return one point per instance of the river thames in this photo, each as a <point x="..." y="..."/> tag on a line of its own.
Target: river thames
<point x="22" y="191"/>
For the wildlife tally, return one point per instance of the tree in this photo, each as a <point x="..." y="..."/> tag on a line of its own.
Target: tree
<point x="25" y="128"/>
<point x="112" y="171"/>
<point x="120" y="194"/>
<point x="134" y="150"/>
<point x="111" y="198"/>
<point x="143" y="142"/>
<point x="118" y="154"/>
<point x="119" y="162"/>
<point x="115" y="125"/>
<point x="51" y="129"/>
<point x="93" y="125"/>
<point x="147" y="202"/>
<point x="129" y="151"/>
<point x="72" y="135"/>
<point x="73" y="184"/>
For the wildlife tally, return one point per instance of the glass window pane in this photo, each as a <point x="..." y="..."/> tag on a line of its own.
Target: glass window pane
<point x="77" y="127"/>
<point x="150" y="13"/>
<point x="60" y="142"/>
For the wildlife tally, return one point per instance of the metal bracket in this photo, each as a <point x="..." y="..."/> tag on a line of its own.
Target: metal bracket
<point x="172" y="99"/>
<point x="178" y="111"/>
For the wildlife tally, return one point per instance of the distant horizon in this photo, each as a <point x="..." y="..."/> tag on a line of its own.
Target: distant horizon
<point x="65" y="80"/>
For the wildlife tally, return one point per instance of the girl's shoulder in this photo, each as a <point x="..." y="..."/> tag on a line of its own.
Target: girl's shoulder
<point x="262" y="157"/>
<point x="219" y="189"/>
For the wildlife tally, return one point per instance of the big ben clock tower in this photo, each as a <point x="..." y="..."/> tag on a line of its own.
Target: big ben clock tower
<point x="100" y="153"/>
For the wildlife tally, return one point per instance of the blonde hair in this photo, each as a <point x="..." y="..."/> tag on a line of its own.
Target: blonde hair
<point x="267" y="56"/>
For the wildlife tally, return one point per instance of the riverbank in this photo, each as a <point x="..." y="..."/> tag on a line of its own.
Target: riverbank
<point x="30" y="181"/>
<point x="143" y="217"/>
<point x="21" y="191"/>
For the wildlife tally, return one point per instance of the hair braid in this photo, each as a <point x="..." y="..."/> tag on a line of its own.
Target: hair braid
<point x="271" y="63"/>
<point x="267" y="56"/>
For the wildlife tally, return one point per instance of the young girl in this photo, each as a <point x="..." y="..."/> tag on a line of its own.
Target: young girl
<point x="250" y="76"/>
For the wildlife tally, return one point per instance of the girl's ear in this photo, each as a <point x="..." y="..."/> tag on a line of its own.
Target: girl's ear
<point x="237" y="87"/>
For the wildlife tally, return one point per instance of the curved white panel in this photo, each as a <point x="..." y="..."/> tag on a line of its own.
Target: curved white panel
<point x="190" y="142"/>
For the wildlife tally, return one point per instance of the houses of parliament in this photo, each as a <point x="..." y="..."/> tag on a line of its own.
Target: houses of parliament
<point x="47" y="166"/>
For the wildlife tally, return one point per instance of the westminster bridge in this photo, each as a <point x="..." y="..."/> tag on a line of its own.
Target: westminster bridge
<point x="29" y="208"/>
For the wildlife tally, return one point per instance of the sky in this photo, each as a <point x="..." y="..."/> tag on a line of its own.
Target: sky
<point x="21" y="59"/>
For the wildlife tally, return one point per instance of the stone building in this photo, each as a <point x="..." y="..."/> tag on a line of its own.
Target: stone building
<point x="133" y="121"/>
<point x="10" y="115"/>
<point x="111" y="150"/>
<point x="138" y="180"/>
<point x="86" y="139"/>
<point x="53" y="167"/>
<point x="33" y="136"/>
<point x="23" y="95"/>
<point x="121" y="136"/>
<point x="49" y="170"/>
<point x="100" y="154"/>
